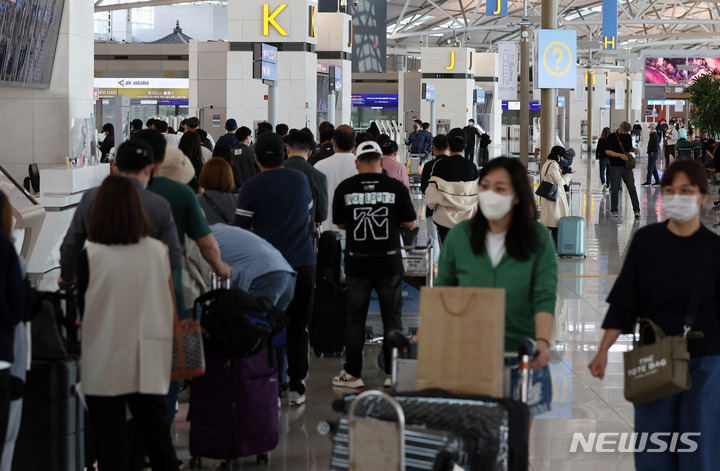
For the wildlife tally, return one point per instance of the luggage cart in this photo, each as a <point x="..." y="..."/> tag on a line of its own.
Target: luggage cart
<point x="492" y="433"/>
<point x="362" y="442"/>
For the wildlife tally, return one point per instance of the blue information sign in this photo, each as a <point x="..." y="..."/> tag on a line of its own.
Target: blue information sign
<point x="428" y="92"/>
<point x="556" y="58"/>
<point x="561" y="102"/>
<point x="609" y="24"/>
<point x="269" y="53"/>
<point x="479" y="97"/>
<point x="496" y="8"/>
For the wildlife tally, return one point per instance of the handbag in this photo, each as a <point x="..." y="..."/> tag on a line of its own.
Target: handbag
<point x="546" y="189"/>
<point x="188" y="360"/>
<point x="660" y="369"/>
<point x="631" y="161"/>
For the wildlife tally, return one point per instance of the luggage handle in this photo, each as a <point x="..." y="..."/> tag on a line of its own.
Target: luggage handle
<point x="461" y="312"/>
<point x="362" y="424"/>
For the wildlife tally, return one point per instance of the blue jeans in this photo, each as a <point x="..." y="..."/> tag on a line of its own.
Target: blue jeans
<point x="357" y="296"/>
<point x="693" y="411"/>
<point x="604" y="170"/>
<point x="277" y="286"/>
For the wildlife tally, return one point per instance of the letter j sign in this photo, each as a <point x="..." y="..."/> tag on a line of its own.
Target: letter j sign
<point x="496" y="8"/>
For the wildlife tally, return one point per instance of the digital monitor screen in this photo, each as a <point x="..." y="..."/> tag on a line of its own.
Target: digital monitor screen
<point x="375" y="101"/>
<point x="28" y="38"/>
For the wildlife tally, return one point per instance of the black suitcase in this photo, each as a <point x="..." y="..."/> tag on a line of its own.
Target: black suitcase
<point x="496" y="431"/>
<point x="424" y="449"/>
<point x="327" y="324"/>
<point x="52" y="429"/>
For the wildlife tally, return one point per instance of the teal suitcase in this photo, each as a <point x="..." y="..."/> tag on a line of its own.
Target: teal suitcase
<point x="571" y="237"/>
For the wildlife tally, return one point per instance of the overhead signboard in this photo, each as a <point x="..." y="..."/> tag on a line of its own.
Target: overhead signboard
<point x="375" y="101"/>
<point x="496" y="8"/>
<point x="508" y="79"/>
<point x="515" y="106"/>
<point x="161" y="89"/>
<point x="556" y="58"/>
<point x="609" y="24"/>
<point x="479" y="97"/>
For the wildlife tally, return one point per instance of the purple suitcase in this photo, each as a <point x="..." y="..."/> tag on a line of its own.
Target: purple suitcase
<point x="234" y="407"/>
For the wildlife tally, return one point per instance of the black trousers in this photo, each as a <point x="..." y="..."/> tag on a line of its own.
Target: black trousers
<point x="357" y="296"/>
<point x="298" y="314"/>
<point x="112" y="435"/>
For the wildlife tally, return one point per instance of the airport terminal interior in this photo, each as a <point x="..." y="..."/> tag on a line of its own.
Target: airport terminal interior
<point x="531" y="75"/>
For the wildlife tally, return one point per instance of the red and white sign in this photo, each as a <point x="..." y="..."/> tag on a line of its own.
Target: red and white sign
<point x="96" y="93"/>
<point x="266" y="98"/>
<point x="307" y="105"/>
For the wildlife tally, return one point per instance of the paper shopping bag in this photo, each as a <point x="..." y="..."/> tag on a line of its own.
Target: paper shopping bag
<point x="462" y="340"/>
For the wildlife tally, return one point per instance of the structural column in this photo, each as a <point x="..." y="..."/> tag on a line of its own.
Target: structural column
<point x="548" y="106"/>
<point x="56" y="109"/>
<point x="291" y="27"/>
<point x="524" y="94"/>
<point x="334" y="47"/>
<point x="452" y="72"/>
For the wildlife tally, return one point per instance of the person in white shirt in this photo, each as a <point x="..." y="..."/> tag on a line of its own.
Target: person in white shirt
<point x="338" y="167"/>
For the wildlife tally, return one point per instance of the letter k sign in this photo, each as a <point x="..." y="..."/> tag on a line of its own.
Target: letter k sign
<point x="269" y="19"/>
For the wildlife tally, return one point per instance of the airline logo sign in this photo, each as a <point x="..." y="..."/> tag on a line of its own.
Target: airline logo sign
<point x="609" y="24"/>
<point x="557" y="51"/>
<point x="496" y="8"/>
<point x="144" y="88"/>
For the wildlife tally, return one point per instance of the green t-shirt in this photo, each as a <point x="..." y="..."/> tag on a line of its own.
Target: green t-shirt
<point x="189" y="219"/>
<point x="530" y="286"/>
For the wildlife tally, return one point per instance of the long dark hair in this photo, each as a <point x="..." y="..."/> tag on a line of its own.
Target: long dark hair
<point x="191" y="145"/>
<point x="521" y="239"/>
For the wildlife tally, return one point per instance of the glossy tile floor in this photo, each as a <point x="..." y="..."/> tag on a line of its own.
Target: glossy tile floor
<point x="580" y="403"/>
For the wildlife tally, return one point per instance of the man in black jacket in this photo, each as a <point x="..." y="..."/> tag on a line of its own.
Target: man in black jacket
<point x="243" y="156"/>
<point x="616" y="145"/>
<point x="299" y="147"/>
<point x="470" y="133"/>
<point x="653" y="149"/>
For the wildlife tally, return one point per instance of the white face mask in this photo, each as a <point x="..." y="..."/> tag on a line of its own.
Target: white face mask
<point x="680" y="208"/>
<point x="493" y="205"/>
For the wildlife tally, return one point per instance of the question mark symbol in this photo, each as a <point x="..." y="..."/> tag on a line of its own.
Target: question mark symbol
<point x="559" y="52"/>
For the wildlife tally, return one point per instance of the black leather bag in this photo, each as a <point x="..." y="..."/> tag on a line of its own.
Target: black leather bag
<point x="547" y="190"/>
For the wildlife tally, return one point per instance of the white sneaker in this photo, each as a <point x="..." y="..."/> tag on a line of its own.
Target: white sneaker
<point x="345" y="380"/>
<point x="295" y="398"/>
<point x="388" y="382"/>
<point x="604" y="187"/>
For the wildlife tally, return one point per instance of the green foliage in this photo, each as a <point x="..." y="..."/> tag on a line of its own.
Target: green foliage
<point x="705" y="103"/>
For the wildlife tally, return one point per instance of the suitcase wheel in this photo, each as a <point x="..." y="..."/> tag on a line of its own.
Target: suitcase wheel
<point x="229" y="465"/>
<point x="195" y="462"/>
<point x="263" y="458"/>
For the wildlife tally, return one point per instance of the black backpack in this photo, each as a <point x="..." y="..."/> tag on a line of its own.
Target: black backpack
<point x="238" y="324"/>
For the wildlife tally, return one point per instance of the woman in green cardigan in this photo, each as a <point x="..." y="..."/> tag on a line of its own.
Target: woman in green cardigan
<point x="504" y="246"/>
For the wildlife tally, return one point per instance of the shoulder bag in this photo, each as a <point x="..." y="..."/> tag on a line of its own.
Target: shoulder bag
<point x="188" y="357"/>
<point x="631" y="161"/>
<point x="216" y="208"/>
<point x="660" y="369"/>
<point x="546" y="189"/>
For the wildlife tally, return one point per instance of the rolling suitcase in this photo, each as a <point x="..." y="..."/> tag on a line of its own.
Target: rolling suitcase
<point x="52" y="427"/>
<point x="571" y="237"/>
<point x="327" y="323"/>
<point x="234" y="408"/>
